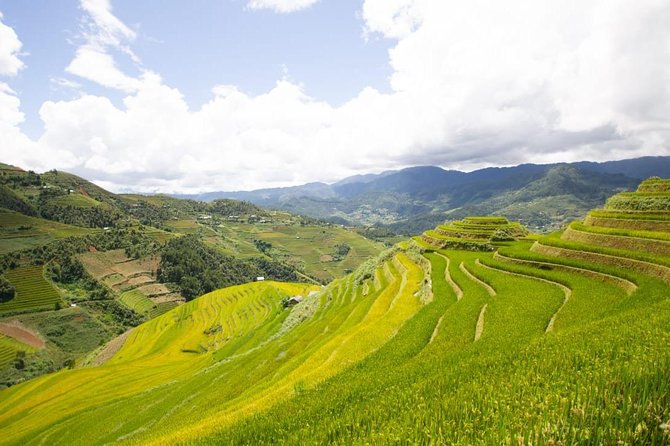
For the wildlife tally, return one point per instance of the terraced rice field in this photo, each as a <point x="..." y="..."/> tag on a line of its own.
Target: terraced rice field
<point x="33" y="291"/>
<point x="133" y="280"/>
<point x="474" y="233"/>
<point x="137" y="301"/>
<point x="9" y="348"/>
<point x="18" y="231"/>
<point x="544" y="341"/>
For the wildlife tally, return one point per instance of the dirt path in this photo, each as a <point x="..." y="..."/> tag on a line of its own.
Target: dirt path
<point x="489" y="289"/>
<point x="15" y="329"/>
<point x="567" y="292"/>
<point x="480" y="323"/>
<point x="111" y="348"/>
<point x="454" y="286"/>
<point x="437" y="328"/>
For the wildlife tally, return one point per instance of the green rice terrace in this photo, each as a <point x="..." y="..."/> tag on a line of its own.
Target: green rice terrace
<point x="33" y="291"/>
<point x="476" y="332"/>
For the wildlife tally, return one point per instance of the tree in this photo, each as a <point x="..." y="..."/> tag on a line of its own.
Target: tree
<point x="7" y="290"/>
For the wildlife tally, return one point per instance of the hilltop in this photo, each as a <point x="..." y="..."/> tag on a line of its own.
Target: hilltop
<point x="411" y="200"/>
<point x="476" y="332"/>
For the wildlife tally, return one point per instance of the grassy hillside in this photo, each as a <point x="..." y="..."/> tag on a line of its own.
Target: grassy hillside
<point x="19" y="231"/>
<point x="476" y="332"/>
<point x="543" y="340"/>
<point x="101" y="252"/>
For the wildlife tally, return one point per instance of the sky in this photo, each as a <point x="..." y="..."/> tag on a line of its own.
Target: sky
<point x="187" y="97"/>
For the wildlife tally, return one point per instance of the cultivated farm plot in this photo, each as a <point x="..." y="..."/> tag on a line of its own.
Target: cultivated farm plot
<point x="154" y="289"/>
<point x="18" y="231"/>
<point x="137" y="301"/>
<point x="117" y="270"/>
<point x="313" y="246"/>
<point x="133" y="279"/>
<point x="9" y="349"/>
<point x="33" y="291"/>
<point x="77" y="200"/>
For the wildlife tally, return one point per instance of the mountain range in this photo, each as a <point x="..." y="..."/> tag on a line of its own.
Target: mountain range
<point x="542" y="196"/>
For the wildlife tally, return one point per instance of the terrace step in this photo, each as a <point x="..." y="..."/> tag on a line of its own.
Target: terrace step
<point x="626" y="285"/>
<point x="651" y="269"/>
<point x="489" y="289"/>
<point x="617" y="241"/>
<point x="567" y="292"/>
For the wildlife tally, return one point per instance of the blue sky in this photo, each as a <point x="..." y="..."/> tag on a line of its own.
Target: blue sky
<point x="175" y="96"/>
<point x="195" y="48"/>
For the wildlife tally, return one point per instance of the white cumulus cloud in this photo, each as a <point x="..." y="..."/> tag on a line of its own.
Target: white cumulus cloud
<point x="102" y="31"/>
<point x="10" y="47"/>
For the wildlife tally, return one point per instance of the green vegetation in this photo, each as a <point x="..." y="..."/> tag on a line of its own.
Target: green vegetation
<point x="32" y="290"/>
<point x="314" y="249"/>
<point x="7" y="290"/>
<point x="12" y="351"/>
<point x="474" y="233"/>
<point x="198" y="269"/>
<point x="101" y="252"/>
<point x="19" y="231"/>
<point x="137" y="302"/>
<point x="654" y="184"/>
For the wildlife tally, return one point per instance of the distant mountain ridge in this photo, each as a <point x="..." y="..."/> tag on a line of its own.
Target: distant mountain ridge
<point x="413" y="199"/>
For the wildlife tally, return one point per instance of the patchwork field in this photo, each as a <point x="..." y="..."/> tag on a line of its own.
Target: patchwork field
<point x="134" y="280"/>
<point x="533" y="340"/>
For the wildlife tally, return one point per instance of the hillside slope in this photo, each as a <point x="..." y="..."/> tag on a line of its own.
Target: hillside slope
<point x="559" y="339"/>
<point x="80" y="265"/>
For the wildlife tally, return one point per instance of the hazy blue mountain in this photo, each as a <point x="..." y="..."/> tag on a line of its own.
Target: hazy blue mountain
<point x="413" y="199"/>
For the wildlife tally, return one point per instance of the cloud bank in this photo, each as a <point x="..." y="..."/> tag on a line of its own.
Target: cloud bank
<point x="473" y="84"/>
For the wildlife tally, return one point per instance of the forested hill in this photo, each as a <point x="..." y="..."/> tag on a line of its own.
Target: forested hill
<point x="414" y="199"/>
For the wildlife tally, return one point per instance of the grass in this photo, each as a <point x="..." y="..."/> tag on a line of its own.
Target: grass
<point x="18" y="231"/>
<point x="630" y="242"/>
<point x="76" y="200"/>
<point x="629" y="215"/>
<point x="9" y="349"/>
<point x="137" y="302"/>
<point x="654" y="185"/>
<point x="653" y="235"/>
<point x="311" y="247"/>
<point x="248" y="316"/>
<point x="474" y="233"/>
<point x="555" y="240"/>
<point x="33" y="291"/>
<point x="73" y="330"/>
